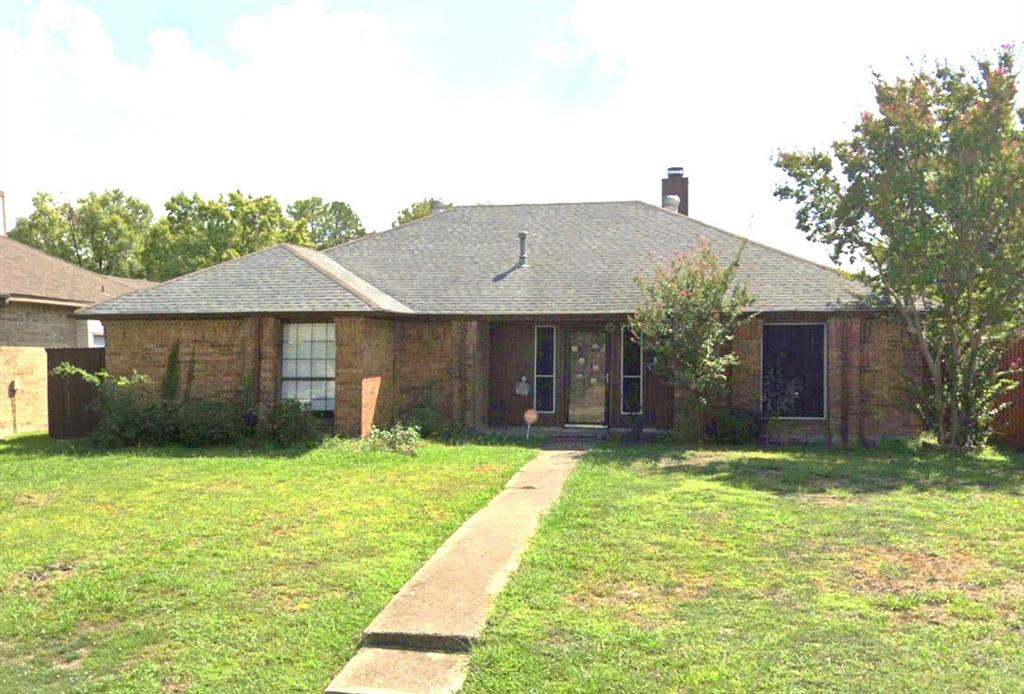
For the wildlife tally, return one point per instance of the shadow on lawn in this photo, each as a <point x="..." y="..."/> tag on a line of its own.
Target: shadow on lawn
<point x="818" y="469"/>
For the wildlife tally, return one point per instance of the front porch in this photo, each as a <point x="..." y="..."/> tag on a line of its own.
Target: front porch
<point x="585" y="372"/>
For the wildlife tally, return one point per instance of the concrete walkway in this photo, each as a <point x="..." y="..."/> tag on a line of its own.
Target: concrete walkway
<point x="419" y="642"/>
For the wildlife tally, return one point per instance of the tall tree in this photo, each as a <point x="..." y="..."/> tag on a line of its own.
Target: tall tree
<point x="928" y="196"/>
<point x="326" y="223"/>
<point x="197" y="233"/>
<point x="104" y="232"/>
<point x="417" y="210"/>
<point x="688" y="317"/>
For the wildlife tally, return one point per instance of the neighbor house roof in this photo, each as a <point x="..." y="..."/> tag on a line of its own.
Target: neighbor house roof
<point x="28" y="274"/>
<point x="583" y="259"/>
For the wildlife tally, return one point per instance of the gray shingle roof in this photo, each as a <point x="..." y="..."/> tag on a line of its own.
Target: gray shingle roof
<point x="275" y="280"/>
<point x="583" y="259"/>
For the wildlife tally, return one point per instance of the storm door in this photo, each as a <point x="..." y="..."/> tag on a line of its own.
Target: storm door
<point x="588" y="376"/>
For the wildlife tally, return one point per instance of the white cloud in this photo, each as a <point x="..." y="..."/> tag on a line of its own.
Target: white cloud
<point x="333" y="103"/>
<point x="556" y="53"/>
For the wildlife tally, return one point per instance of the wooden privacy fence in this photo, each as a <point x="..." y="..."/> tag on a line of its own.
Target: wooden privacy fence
<point x="1010" y="423"/>
<point x="70" y="396"/>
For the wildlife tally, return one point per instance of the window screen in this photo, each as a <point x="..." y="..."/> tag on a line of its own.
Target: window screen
<point x="632" y="389"/>
<point x="793" y="371"/>
<point x="307" y="365"/>
<point x="544" y="368"/>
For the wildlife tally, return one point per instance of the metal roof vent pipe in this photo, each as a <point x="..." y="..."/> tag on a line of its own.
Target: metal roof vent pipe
<point x="437" y="206"/>
<point x="677" y="184"/>
<point x="671" y="203"/>
<point x="522" y="250"/>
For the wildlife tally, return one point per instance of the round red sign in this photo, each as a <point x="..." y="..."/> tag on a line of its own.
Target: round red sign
<point x="530" y="416"/>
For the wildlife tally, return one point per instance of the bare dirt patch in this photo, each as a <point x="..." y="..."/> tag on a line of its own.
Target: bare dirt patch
<point x="72" y="661"/>
<point x="51" y="572"/>
<point x="31" y="500"/>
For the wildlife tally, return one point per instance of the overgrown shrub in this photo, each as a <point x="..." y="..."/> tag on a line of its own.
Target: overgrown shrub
<point x="209" y="423"/>
<point x="425" y="415"/>
<point x="399" y="438"/>
<point x="289" y="423"/>
<point x="735" y="427"/>
<point x="127" y="417"/>
<point x="133" y="414"/>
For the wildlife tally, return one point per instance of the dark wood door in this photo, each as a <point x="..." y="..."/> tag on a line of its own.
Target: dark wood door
<point x="69" y="397"/>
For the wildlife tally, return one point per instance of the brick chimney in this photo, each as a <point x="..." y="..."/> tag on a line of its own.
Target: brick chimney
<point x="678" y="185"/>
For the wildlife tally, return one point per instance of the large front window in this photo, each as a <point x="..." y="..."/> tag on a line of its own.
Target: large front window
<point x="793" y="371"/>
<point x="307" y="365"/>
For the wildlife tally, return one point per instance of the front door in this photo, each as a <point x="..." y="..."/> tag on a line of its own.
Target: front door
<point x="588" y="374"/>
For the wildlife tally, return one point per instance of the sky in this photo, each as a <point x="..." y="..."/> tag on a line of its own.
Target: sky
<point x="379" y="104"/>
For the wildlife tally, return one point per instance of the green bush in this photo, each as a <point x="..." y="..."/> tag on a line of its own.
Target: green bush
<point x="127" y="418"/>
<point x="132" y="415"/>
<point x="289" y="423"/>
<point x="425" y="415"/>
<point x="735" y="427"/>
<point x="399" y="439"/>
<point x="209" y="423"/>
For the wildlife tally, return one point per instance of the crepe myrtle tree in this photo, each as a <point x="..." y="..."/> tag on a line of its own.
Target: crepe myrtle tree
<point x="927" y="198"/>
<point x="687" y="319"/>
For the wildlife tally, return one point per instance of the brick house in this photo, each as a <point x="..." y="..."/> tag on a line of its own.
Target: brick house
<point x="490" y="310"/>
<point x="39" y="295"/>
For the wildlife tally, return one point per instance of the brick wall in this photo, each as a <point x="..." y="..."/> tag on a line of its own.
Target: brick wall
<point x="383" y="367"/>
<point x="868" y="362"/>
<point x="364" y="374"/>
<point x="27" y="410"/>
<point x="222" y="350"/>
<point x="41" y="325"/>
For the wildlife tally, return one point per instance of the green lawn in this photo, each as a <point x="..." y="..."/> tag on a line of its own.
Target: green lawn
<point x="224" y="571"/>
<point x="789" y="570"/>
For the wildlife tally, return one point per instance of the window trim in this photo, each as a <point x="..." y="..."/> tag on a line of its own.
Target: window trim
<point x="554" y="369"/>
<point x="824" y="368"/>
<point x="623" y="376"/>
<point x="281" y="378"/>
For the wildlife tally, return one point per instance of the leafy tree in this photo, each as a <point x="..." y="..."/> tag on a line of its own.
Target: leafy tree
<point x="104" y="232"/>
<point x="327" y="224"/>
<point x="928" y="197"/>
<point x="417" y="210"/>
<point x="689" y="315"/>
<point x="197" y="233"/>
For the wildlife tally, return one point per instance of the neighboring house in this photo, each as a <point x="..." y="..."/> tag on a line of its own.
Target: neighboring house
<point x="486" y="311"/>
<point x="39" y="294"/>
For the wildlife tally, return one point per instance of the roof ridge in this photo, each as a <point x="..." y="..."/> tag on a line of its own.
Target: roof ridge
<point x="751" y="241"/>
<point x="347" y="280"/>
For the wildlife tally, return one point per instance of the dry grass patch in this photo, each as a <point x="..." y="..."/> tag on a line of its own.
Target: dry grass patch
<point x="895" y="571"/>
<point x="641" y="603"/>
